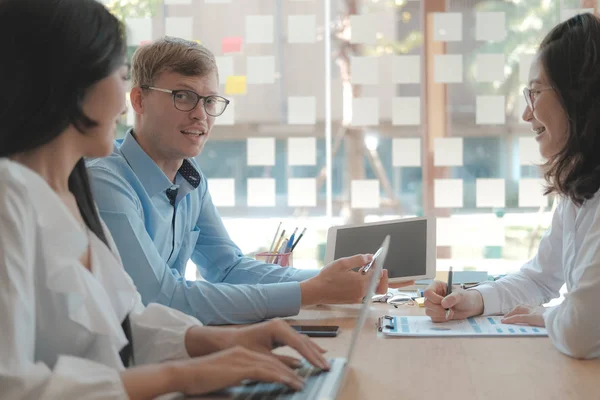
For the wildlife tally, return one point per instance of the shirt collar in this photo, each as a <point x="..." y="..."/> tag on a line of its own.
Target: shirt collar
<point x="150" y="175"/>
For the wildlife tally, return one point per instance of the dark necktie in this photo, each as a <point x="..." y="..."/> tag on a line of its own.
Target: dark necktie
<point x="190" y="174"/>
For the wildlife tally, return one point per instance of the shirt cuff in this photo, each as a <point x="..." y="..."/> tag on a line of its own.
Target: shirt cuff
<point x="491" y="299"/>
<point x="283" y="299"/>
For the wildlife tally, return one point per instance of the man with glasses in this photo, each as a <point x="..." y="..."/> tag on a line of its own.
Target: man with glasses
<point x="155" y="201"/>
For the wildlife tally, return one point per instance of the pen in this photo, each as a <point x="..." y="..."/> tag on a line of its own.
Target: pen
<point x="368" y="267"/>
<point x="275" y="238"/>
<point x="290" y="242"/>
<point x="297" y="240"/>
<point x="449" y="289"/>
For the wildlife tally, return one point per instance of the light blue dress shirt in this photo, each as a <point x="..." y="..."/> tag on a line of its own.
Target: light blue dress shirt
<point x="156" y="240"/>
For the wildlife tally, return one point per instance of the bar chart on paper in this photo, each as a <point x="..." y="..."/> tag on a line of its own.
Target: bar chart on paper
<point x="478" y="326"/>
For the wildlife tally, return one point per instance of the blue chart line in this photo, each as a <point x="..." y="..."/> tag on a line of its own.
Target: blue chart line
<point x="511" y="330"/>
<point x="523" y="330"/>
<point x="536" y="330"/>
<point x="474" y="325"/>
<point x="492" y="321"/>
<point x="499" y="330"/>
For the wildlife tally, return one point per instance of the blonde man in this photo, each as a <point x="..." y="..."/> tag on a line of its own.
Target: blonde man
<point x="155" y="200"/>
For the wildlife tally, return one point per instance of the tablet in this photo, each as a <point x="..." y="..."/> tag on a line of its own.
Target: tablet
<point x="412" y="251"/>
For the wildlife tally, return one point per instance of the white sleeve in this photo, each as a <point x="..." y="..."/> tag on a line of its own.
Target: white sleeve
<point x="158" y="331"/>
<point x="574" y="325"/>
<point x="20" y="376"/>
<point x="537" y="282"/>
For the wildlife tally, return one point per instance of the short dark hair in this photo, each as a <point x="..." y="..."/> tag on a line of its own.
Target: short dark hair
<point x="570" y="56"/>
<point x="53" y="51"/>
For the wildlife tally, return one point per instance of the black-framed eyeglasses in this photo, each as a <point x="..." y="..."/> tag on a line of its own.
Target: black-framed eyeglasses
<point x="186" y="100"/>
<point x="531" y="93"/>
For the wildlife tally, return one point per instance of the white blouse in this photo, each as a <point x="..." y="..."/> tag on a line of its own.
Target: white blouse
<point x="60" y="324"/>
<point x="568" y="253"/>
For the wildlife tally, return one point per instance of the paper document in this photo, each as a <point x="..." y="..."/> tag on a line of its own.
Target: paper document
<point x="478" y="326"/>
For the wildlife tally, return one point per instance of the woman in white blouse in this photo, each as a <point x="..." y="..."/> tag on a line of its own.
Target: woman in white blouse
<point x="70" y="317"/>
<point x="563" y="108"/>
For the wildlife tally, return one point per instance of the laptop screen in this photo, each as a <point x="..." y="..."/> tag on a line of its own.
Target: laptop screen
<point x="407" y="255"/>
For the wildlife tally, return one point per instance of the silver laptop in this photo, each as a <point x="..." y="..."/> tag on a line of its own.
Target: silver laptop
<point x="322" y="385"/>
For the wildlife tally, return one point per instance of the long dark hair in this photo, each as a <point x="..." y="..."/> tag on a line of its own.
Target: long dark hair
<point x="53" y="51"/>
<point x="570" y="56"/>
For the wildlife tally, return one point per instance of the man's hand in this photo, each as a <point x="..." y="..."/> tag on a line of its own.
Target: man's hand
<point x="340" y="283"/>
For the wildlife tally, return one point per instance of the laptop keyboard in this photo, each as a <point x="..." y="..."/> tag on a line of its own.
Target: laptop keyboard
<point x="313" y="378"/>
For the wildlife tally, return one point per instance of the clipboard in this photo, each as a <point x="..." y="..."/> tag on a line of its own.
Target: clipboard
<point x="422" y="326"/>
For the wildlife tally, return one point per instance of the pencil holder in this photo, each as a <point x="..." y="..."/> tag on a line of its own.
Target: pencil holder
<point x="283" y="259"/>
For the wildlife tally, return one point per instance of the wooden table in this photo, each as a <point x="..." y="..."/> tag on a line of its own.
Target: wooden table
<point x="450" y="368"/>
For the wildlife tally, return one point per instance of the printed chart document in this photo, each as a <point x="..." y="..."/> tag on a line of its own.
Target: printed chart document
<point x="477" y="326"/>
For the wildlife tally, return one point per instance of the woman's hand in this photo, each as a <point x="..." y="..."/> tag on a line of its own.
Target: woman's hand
<point x="264" y="337"/>
<point x="231" y="367"/>
<point x="523" y="314"/>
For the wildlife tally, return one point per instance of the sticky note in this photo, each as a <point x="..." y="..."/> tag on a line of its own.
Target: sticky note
<point x="448" y="193"/>
<point x="489" y="67"/>
<point x="302" y="151"/>
<point x="447" y="26"/>
<point x="261" y="151"/>
<point x="406" y="152"/>
<point x="260" y="69"/>
<point x="406" y="111"/>
<point x="365" y="111"/>
<point x="180" y="27"/>
<point x="448" y="152"/>
<point x="446" y="231"/>
<point x="365" y="70"/>
<point x="567" y="13"/>
<point x="363" y="29"/>
<point x="222" y="191"/>
<point x="448" y="68"/>
<point x="225" y="68"/>
<point x="302" y="110"/>
<point x="490" y="192"/>
<point x="490" y="26"/>
<point x="406" y="69"/>
<point x="302" y="29"/>
<point x="364" y="193"/>
<point x="235" y="85"/>
<point x="261" y="192"/>
<point x="525" y="61"/>
<point x="529" y="151"/>
<point x="231" y="44"/>
<point x="259" y="29"/>
<point x="138" y="30"/>
<point x="302" y="192"/>
<point x="531" y="193"/>
<point x="228" y="117"/>
<point x="490" y="110"/>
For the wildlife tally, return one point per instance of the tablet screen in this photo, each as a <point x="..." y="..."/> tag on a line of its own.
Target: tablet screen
<point x="407" y="254"/>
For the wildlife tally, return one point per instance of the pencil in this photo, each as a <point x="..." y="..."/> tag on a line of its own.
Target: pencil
<point x="275" y="238"/>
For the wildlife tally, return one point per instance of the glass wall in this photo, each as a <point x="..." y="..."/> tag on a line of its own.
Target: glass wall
<point x="418" y="103"/>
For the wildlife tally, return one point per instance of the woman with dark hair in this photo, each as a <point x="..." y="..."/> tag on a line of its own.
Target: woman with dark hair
<point x="563" y="108"/>
<point x="70" y="317"/>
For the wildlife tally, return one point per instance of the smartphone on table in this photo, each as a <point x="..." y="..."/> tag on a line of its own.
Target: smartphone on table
<point x="318" y="330"/>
